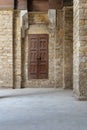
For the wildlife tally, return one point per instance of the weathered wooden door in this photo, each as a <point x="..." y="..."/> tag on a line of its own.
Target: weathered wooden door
<point x="38" y="56"/>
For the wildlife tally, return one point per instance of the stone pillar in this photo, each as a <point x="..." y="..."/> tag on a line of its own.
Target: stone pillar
<point x="80" y="49"/>
<point x="52" y="41"/>
<point x="16" y="50"/>
<point x="59" y="49"/>
<point x="68" y="47"/>
<point x="23" y="48"/>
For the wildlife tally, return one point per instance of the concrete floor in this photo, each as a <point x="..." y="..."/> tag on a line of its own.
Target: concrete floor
<point x="41" y="109"/>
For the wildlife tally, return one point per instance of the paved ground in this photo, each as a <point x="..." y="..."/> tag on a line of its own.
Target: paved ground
<point x="41" y="109"/>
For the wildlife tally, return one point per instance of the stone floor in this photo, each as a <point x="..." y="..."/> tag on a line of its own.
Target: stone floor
<point x="41" y="109"/>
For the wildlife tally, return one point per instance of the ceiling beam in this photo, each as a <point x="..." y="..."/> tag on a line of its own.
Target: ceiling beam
<point x="15" y="4"/>
<point x="29" y="5"/>
<point x="67" y="2"/>
<point x="55" y="4"/>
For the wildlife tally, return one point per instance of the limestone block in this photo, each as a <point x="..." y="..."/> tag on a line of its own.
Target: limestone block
<point x="6" y="48"/>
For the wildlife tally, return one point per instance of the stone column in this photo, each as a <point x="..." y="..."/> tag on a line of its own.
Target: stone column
<point x="80" y="49"/>
<point x="68" y="47"/>
<point x="16" y="50"/>
<point x="24" y="48"/>
<point x="59" y="49"/>
<point x="52" y="41"/>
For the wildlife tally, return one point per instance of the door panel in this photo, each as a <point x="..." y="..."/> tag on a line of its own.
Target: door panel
<point x="33" y="47"/>
<point x="33" y="71"/>
<point x="38" y="56"/>
<point x="43" y="50"/>
<point x="33" y="56"/>
<point x="43" y="56"/>
<point x="33" y="44"/>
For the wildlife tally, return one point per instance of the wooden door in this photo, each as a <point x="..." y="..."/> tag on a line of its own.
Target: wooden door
<point x="38" y="56"/>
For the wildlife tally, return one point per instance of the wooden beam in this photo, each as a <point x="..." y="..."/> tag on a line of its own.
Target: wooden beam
<point x="15" y="4"/>
<point x="38" y="5"/>
<point x="55" y="4"/>
<point x="6" y="4"/>
<point x="22" y="4"/>
<point x="67" y="2"/>
<point x="29" y="5"/>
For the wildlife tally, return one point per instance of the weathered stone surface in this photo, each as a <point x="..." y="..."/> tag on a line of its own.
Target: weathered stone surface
<point x="6" y="48"/>
<point x="58" y="25"/>
<point x="80" y="48"/>
<point x="59" y="50"/>
<point x="16" y="50"/>
<point x="68" y="47"/>
<point x="35" y="17"/>
<point x="41" y="28"/>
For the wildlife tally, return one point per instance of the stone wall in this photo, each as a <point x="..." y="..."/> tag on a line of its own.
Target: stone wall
<point x="10" y="49"/>
<point x="76" y="45"/>
<point x="59" y="49"/>
<point x="16" y="50"/>
<point x="6" y="48"/>
<point x="68" y="47"/>
<point x="38" y="24"/>
<point x="80" y="48"/>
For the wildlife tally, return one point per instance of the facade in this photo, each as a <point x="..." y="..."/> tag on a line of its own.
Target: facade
<point x="43" y="44"/>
